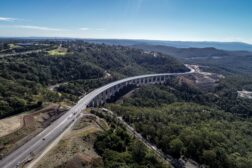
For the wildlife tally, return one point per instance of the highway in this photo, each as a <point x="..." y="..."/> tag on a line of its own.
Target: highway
<point x="21" y="53"/>
<point x="42" y="140"/>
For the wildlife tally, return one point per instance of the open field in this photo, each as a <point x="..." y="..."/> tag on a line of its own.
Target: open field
<point x="60" y="51"/>
<point x="12" y="46"/>
<point x="17" y="130"/>
<point x="245" y="94"/>
<point x="9" y="125"/>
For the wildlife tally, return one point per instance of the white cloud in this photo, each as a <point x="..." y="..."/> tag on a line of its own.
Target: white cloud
<point x="84" y="28"/>
<point x="38" y="28"/>
<point x="6" y="19"/>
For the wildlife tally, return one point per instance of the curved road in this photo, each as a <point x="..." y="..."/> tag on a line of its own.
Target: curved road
<point x="22" y="53"/>
<point x="42" y="140"/>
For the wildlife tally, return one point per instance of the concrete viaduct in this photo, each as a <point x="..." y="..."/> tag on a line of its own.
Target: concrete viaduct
<point x="101" y="98"/>
<point x="104" y="93"/>
<point x="95" y="98"/>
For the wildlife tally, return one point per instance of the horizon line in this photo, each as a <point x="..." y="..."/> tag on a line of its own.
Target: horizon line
<point x="132" y="39"/>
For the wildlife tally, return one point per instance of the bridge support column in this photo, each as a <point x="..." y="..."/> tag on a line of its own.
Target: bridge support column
<point x="146" y="80"/>
<point x="153" y="80"/>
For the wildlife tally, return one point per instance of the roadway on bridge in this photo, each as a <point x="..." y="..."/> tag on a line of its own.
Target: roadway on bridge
<point x="42" y="140"/>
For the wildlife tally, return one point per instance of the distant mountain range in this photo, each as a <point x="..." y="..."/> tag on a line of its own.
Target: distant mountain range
<point x="194" y="53"/>
<point x="231" y="46"/>
<point x="222" y="57"/>
<point x="221" y="61"/>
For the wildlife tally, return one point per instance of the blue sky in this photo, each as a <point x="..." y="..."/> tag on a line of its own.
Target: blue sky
<point x="185" y="20"/>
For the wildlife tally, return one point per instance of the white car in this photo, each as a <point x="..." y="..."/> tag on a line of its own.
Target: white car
<point x="154" y="147"/>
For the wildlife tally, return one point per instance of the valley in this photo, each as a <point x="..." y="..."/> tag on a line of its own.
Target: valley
<point x="171" y="106"/>
<point x="125" y="84"/>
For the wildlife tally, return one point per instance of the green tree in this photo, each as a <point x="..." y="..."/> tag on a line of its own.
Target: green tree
<point x="209" y="157"/>
<point x="176" y="147"/>
<point x="138" y="151"/>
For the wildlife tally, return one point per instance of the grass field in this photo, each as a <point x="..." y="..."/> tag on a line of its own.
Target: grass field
<point x="60" y="51"/>
<point x="11" y="124"/>
<point x="12" y="46"/>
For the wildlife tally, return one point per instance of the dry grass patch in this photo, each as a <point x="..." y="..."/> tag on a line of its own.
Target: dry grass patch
<point x="9" y="125"/>
<point x="76" y="147"/>
<point x="60" y="51"/>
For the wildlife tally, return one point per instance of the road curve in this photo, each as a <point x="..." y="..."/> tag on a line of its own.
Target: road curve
<point x="40" y="141"/>
<point x="21" y="53"/>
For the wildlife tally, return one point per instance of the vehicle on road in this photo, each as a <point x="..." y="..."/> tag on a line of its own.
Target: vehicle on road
<point x="57" y="127"/>
<point x="17" y="165"/>
<point x="154" y="147"/>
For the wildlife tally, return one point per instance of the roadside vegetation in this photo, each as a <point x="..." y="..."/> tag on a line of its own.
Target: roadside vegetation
<point x="75" y="149"/>
<point x="118" y="149"/>
<point x="184" y="122"/>
<point x="73" y="90"/>
<point x="206" y="135"/>
<point x="24" y="78"/>
<point x="223" y="97"/>
<point x="19" y="95"/>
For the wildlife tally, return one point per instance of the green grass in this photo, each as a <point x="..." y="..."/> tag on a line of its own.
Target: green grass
<point x="58" y="52"/>
<point x="12" y="46"/>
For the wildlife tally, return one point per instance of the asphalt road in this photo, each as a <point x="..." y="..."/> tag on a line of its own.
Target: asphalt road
<point x="39" y="142"/>
<point x="21" y="53"/>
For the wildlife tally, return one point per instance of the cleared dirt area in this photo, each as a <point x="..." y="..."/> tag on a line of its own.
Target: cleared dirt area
<point x="10" y="125"/>
<point x="19" y="129"/>
<point x="205" y="81"/>
<point x="75" y="149"/>
<point x="245" y="94"/>
<point x="53" y="87"/>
